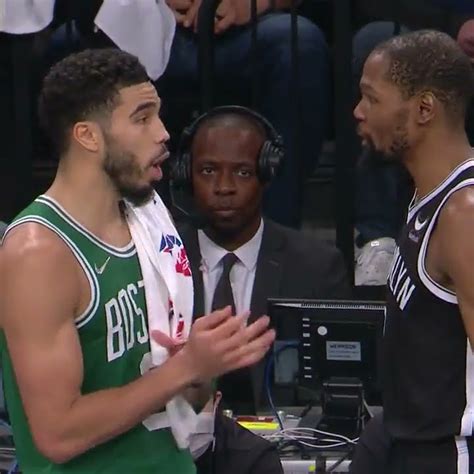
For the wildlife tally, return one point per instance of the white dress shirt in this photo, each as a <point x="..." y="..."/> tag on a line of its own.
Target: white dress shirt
<point x="242" y="275"/>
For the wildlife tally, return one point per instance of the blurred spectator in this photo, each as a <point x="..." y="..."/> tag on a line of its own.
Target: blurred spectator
<point x="459" y="6"/>
<point x="442" y="15"/>
<point x="466" y="38"/>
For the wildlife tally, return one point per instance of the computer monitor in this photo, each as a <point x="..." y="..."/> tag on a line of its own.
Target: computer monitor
<point x="337" y="340"/>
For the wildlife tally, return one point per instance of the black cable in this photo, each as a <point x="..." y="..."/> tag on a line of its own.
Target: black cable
<point x="267" y="377"/>
<point x="338" y="463"/>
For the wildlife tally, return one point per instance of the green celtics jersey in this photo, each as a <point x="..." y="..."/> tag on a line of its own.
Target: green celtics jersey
<point x="113" y="332"/>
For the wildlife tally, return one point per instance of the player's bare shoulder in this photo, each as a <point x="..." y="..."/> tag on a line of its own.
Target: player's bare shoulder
<point x="458" y="212"/>
<point x="38" y="265"/>
<point x="30" y="242"/>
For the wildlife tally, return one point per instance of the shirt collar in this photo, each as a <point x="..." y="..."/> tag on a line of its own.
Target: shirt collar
<point x="247" y="253"/>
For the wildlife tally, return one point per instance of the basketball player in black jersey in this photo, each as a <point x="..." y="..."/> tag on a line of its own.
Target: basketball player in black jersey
<point x="415" y="91"/>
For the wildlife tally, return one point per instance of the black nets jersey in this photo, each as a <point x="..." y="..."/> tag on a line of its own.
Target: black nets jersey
<point x="428" y="366"/>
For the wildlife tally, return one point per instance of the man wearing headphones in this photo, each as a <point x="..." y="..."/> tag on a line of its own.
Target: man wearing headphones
<point x="225" y="161"/>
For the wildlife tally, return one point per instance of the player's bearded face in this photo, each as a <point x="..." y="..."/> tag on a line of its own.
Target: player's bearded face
<point x="399" y="142"/>
<point x="390" y="135"/>
<point x="127" y="175"/>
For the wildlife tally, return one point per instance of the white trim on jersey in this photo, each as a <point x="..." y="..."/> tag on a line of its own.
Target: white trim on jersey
<point x="467" y="420"/>
<point x="91" y="309"/>
<point x="445" y="294"/>
<point x="433" y="286"/>
<point x="121" y="252"/>
<point x="463" y="455"/>
<point x="428" y="197"/>
<point x="412" y="204"/>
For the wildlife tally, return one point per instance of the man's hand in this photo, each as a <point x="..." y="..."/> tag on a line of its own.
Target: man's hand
<point x="220" y="343"/>
<point x="185" y="11"/>
<point x="236" y="12"/>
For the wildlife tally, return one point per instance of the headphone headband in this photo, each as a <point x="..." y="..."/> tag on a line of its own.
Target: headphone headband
<point x="269" y="160"/>
<point x="238" y="110"/>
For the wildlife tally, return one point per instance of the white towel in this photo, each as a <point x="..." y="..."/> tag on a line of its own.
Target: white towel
<point x="25" y="16"/>
<point x="144" y="28"/>
<point x="169" y="299"/>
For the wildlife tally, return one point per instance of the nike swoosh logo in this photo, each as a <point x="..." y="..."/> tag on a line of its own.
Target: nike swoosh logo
<point x="419" y="225"/>
<point x="100" y="270"/>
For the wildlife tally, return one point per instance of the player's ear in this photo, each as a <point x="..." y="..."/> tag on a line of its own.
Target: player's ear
<point x="426" y="107"/>
<point x="88" y="135"/>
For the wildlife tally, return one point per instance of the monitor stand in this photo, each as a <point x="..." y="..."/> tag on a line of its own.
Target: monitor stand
<point x="342" y="404"/>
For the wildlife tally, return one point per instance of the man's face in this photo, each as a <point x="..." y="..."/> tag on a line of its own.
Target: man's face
<point x="226" y="188"/>
<point x="383" y="115"/>
<point x="135" y="143"/>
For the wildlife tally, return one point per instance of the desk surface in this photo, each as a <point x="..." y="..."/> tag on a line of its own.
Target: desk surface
<point x="296" y="465"/>
<point x="309" y="466"/>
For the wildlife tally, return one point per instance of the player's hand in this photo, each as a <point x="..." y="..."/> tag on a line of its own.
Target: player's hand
<point x="173" y="345"/>
<point x="220" y="343"/>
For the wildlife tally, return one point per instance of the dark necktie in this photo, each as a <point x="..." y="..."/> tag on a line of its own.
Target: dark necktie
<point x="235" y="386"/>
<point x="223" y="293"/>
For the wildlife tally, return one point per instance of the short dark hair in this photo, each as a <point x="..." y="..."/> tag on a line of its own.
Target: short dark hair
<point x="83" y="85"/>
<point x="432" y="61"/>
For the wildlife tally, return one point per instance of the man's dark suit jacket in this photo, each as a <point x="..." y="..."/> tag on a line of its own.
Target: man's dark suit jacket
<point x="238" y="451"/>
<point x="290" y="264"/>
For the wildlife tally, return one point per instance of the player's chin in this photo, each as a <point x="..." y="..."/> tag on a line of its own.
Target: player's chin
<point x="138" y="195"/>
<point x="367" y="143"/>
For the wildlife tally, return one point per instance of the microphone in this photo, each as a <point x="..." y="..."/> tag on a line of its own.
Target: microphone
<point x="183" y="202"/>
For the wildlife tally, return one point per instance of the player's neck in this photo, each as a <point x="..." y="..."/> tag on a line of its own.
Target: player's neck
<point x="434" y="160"/>
<point x="87" y="194"/>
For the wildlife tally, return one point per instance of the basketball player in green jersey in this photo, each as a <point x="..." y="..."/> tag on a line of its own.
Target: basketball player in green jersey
<point x="75" y="336"/>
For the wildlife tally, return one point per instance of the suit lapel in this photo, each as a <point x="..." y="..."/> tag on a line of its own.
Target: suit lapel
<point x="269" y="269"/>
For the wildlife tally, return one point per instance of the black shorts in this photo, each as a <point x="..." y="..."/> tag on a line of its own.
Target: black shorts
<point x="377" y="453"/>
<point x="448" y="456"/>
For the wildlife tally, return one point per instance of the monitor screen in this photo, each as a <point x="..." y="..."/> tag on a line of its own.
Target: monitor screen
<point x="336" y="339"/>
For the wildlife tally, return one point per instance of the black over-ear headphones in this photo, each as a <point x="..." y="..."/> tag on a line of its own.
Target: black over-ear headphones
<point x="269" y="160"/>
